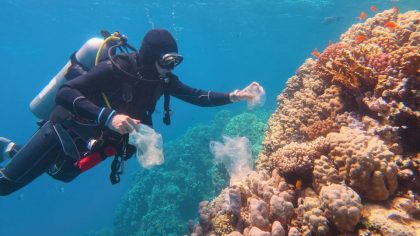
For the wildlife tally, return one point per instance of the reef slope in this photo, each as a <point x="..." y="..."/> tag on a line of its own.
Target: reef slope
<point x="341" y="152"/>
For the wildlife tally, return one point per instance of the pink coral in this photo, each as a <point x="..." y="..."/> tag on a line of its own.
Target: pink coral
<point x="379" y="62"/>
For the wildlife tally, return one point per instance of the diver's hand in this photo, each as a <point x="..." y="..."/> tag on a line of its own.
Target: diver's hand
<point x="123" y="124"/>
<point x="244" y="94"/>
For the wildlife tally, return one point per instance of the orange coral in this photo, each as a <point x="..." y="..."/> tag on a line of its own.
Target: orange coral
<point x="345" y="66"/>
<point x="358" y="64"/>
<point x="379" y="62"/>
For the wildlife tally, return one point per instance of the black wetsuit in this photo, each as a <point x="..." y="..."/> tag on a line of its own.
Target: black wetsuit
<point x="81" y="114"/>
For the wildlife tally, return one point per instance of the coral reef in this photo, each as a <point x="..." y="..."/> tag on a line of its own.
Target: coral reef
<point x="313" y="219"/>
<point x="188" y="176"/>
<point x="364" y="162"/>
<point x="250" y="125"/>
<point x="395" y="218"/>
<point x="324" y="173"/>
<point x="264" y="199"/>
<point x="342" y="206"/>
<point x="298" y="158"/>
<point x="223" y="224"/>
<point x="341" y="151"/>
<point x="277" y="229"/>
<point x="258" y="213"/>
<point x="319" y="128"/>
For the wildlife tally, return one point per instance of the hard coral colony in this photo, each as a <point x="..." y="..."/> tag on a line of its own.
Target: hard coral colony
<point x="348" y="126"/>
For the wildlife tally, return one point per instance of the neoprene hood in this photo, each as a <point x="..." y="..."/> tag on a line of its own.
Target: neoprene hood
<point x="156" y="43"/>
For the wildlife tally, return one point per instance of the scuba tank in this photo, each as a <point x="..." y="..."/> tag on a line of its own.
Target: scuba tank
<point x="43" y="104"/>
<point x="92" y="52"/>
<point x="89" y="55"/>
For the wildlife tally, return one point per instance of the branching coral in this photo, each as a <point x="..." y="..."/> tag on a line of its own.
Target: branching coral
<point x="346" y="66"/>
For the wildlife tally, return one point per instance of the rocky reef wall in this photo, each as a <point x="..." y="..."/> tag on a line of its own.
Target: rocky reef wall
<point x="341" y="152"/>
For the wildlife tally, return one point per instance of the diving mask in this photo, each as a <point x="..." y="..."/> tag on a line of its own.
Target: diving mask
<point x="170" y="60"/>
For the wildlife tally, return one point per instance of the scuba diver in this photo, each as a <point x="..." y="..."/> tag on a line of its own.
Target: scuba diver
<point x="96" y="108"/>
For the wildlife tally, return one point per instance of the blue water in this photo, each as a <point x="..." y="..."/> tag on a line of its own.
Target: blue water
<point x="226" y="44"/>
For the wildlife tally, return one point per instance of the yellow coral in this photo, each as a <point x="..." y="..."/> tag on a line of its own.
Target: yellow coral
<point x="245" y="216"/>
<point x="223" y="224"/>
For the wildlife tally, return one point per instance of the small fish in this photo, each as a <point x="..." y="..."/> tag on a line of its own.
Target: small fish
<point x="362" y="15"/>
<point x="373" y="8"/>
<point x="390" y="24"/>
<point x="360" y="38"/>
<point x="330" y="19"/>
<point x="394" y="0"/>
<point x="298" y="184"/>
<point x="316" y="53"/>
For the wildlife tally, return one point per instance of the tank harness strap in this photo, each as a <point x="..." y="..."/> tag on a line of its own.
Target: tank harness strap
<point x="74" y="61"/>
<point x="167" y="110"/>
<point x="166" y="103"/>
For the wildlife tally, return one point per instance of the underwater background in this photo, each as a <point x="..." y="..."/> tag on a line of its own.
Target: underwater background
<point x="226" y="45"/>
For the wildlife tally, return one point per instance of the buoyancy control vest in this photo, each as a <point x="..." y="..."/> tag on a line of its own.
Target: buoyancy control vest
<point x="92" y="52"/>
